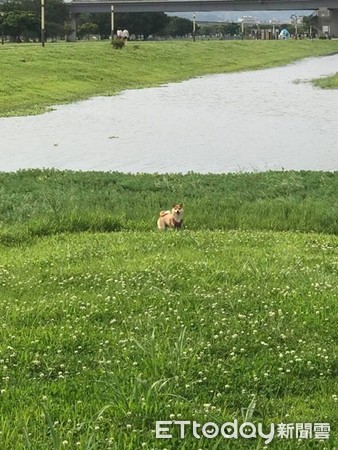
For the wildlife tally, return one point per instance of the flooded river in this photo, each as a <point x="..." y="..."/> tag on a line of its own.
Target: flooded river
<point x="251" y="121"/>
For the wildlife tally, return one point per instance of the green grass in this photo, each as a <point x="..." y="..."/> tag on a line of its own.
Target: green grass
<point x="68" y="72"/>
<point x="103" y="333"/>
<point x="327" y="82"/>
<point x="35" y="203"/>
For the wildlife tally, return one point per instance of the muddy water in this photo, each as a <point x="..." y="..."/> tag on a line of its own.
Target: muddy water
<point x="250" y="121"/>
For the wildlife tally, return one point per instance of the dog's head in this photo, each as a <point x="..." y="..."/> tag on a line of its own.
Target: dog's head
<point x="177" y="211"/>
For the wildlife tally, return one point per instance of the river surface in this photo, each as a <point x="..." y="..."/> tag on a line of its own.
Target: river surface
<point x="261" y="120"/>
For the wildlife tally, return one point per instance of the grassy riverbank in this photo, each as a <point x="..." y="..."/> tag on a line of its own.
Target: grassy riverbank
<point x="34" y="78"/>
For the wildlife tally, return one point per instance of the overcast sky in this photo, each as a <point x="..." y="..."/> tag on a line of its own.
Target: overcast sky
<point x="232" y="16"/>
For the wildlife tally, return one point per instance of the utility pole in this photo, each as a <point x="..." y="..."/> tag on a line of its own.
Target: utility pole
<point x="43" y="35"/>
<point x="112" y="22"/>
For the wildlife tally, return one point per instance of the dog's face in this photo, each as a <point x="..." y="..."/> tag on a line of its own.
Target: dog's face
<point x="177" y="211"/>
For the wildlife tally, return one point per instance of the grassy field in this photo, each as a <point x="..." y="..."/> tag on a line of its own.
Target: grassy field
<point x="36" y="203"/>
<point x="35" y="78"/>
<point x="104" y="333"/>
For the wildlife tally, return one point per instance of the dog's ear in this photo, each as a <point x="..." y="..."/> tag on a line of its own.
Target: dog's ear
<point x="181" y="205"/>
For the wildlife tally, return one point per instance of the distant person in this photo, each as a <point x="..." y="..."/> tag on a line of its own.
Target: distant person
<point x="125" y="35"/>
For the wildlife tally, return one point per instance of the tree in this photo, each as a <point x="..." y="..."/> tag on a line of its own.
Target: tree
<point x="177" y="26"/>
<point x="68" y="31"/>
<point x="221" y="29"/>
<point x="101" y="20"/>
<point x="136" y="23"/>
<point x="56" y="11"/>
<point x="56" y="14"/>
<point x="87" y="29"/>
<point x="20" y="24"/>
<point x="230" y="29"/>
<point x="54" y="30"/>
<point x="306" y="24"/>
<point x="141" y="23"/>
<point x="208" y="29"/>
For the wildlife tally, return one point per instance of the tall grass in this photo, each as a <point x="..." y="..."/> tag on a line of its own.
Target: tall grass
<point x="45" y="202"/>
<point x="34" y="78"/>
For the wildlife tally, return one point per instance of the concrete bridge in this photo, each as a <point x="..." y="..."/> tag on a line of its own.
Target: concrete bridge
<point x="326" y="16"/>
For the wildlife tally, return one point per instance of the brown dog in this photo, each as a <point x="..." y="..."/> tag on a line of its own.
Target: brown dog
<point x="171" y="219"/>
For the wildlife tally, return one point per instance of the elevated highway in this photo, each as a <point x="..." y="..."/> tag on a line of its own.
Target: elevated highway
<point x="326" y="16"/>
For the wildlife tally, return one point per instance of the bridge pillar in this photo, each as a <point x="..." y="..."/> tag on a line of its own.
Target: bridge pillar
<point x="334" y="23"/>
<point x="326" y="22"/>
<point x="73" y="22"/>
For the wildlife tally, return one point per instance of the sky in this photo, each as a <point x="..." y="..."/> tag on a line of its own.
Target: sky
<point x="232" y="16"/>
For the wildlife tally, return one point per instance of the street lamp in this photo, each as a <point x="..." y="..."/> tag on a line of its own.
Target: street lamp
<point x="296" y="24"/>
<point x="194" y="27"/>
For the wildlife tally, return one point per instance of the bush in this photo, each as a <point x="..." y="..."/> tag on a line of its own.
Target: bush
<point x="118" y="43"/>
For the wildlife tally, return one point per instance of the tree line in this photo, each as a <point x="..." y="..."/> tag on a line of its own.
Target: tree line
<point x="20" y="21"/>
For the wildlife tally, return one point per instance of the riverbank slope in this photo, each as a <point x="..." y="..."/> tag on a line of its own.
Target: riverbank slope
<point x="63" y="73"/>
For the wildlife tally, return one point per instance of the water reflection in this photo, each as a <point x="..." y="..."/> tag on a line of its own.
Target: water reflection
<point x="268" y="119"/>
